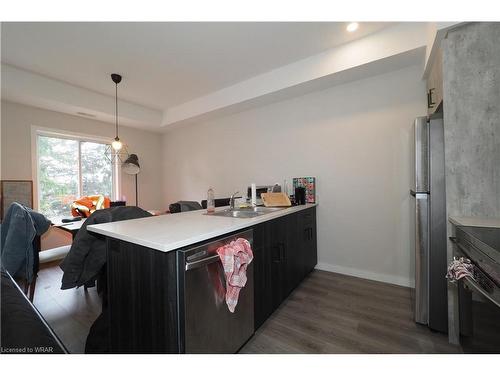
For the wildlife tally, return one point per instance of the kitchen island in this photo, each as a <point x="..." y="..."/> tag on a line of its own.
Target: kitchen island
<point x="145" y="293"/>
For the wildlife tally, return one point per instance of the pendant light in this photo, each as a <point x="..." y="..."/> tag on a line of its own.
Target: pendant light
<point x="116" y="144"/>
<point x="117" y="152"/>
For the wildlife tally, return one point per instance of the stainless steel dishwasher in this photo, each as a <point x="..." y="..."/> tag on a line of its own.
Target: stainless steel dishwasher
<point x="205" y="323"/>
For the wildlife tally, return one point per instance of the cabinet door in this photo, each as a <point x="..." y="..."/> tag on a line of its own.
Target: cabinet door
<point x="435" y="82"/>
<point x="438" y="75"/>
<point x="284" y="253"/>
<point x="278" y="250"/>
<point x="308" y="241"/>
<point x="294" y="258"/>
<point x="263" y="305"/>
<point x="311" y="254"/>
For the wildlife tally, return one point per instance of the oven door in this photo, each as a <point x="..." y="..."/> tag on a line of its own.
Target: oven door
<point x="479" y="305"/>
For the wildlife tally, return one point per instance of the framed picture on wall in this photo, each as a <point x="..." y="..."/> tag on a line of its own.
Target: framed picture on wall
<point x="20" y="191"/>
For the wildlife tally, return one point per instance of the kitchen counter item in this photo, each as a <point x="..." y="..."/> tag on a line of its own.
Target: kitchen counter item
<point x="210" y="200"/>
<point x="253" y="193"/>
<point x="258" y="189"/>
<point x="275" y="200"/>
<point x="300" y="195"/>
<point x="208" y="325"/>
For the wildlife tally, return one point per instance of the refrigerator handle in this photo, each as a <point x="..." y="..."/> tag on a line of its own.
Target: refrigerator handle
<point x="414" y="193"/>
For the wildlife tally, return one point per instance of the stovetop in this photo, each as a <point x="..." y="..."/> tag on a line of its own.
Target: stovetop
<point x="482" y="247"/>
<point x="488" y="236"/>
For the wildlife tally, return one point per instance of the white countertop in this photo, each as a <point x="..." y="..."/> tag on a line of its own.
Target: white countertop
<point x="173" y="231"/>
<point x="470" y="221"/>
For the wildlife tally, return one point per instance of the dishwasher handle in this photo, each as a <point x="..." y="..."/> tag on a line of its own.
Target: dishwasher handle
<point x="202" y="262"/>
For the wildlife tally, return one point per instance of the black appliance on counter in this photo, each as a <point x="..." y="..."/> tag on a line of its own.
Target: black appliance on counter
<point x="479" y="297"/>
<point x="300" y="195"/>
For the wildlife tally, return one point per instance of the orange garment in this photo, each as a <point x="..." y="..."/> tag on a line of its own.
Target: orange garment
<point x="84" y="206"/>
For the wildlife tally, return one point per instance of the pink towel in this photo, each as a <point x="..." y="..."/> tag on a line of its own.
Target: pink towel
<point x="235" y="257"/>
<point x="459" y="268"/>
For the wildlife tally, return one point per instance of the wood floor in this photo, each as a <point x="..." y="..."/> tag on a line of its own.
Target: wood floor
<point x="70" y="312"/>
<point x="333" y="313"/>
<point x="327" y="313"/>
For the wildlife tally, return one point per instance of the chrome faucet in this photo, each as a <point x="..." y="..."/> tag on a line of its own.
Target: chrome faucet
<point x="231" y="201"/>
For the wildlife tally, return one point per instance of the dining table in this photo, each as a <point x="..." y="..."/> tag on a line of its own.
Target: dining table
<point x="72" y="227"/>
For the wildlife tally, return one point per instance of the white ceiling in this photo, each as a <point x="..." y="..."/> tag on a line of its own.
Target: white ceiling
<point x="166" y="64"/>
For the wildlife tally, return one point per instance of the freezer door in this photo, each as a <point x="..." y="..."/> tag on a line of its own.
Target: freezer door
<point x="421" y="155"/>
<point x="421" y="258"/>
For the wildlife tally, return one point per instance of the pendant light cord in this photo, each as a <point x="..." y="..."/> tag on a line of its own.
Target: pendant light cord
<point x="116" y="108"/>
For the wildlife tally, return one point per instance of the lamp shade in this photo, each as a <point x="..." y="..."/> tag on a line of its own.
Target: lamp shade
<point x="131" y="165"/>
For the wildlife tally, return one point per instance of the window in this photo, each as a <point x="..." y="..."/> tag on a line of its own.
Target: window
<point x="68" y="169"/>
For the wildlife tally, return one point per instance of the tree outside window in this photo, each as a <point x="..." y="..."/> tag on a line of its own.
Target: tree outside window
<point x="69" y="169"/>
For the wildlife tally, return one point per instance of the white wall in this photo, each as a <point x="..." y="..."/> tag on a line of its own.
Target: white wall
<point x="355" y="138"/>
<point x="17" y="120"/>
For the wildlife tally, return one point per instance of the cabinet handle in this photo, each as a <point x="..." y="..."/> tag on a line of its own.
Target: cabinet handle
<point x="306" y="234"/>
<point x="282" y="252"/>
<point x="277" y="250"/>
<point x="430" y="102"/>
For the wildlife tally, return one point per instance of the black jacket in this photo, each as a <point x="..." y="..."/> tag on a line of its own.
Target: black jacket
<point x="87" y="255"/>
<point x="23" y="329"/>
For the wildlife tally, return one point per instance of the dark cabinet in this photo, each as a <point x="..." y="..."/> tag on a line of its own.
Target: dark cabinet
<point x="294" y="260"/>
<point x="277" y="230"/>
<point x="308" y="240"/>
<point x="284" y="253"/>
<point x="270" y="273"/>
<point x="263" y="299"/>
<point x="142" y="300"/>
<point x="434" y="82"/>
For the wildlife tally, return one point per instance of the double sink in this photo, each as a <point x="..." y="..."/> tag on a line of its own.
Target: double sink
<point x="246" y="213"/>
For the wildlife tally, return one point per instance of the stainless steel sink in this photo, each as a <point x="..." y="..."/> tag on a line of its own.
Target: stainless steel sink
<point x="246" y="213"/>
<point x="264" y="209"/>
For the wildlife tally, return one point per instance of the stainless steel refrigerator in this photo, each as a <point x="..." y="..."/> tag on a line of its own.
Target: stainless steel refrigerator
<point x="431" y="304"/>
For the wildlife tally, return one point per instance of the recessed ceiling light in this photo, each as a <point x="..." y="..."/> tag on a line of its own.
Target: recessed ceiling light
<point x="353" y="26"/>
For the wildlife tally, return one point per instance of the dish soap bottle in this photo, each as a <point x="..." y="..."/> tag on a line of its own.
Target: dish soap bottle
<point x="210" y="201"/>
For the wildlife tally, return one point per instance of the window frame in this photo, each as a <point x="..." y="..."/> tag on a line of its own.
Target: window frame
<point x="37" y="131"/>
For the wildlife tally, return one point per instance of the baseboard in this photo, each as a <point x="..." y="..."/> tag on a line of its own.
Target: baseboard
<point x="50" y="255"/>
<point x="390" y="279"/>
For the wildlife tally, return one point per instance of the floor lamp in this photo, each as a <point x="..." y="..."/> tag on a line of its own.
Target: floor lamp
<point x="131" y="166"/>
